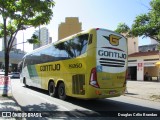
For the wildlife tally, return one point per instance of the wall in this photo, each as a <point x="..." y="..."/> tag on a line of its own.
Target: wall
<point x="147" y="66"/>
<point x="152" y="71"/>
<point x="69" y="27"/>
<point x="132" y="45"/>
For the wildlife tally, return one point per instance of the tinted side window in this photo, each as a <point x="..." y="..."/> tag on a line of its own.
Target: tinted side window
<point x="62" y="51"/>
<point x="36" y="58"/>
<point x="79" y="45"/>
<point x="45" y="55"/>
<point x="82" y="44"/>
<point x="27" y="60"/>
<point x="74" y="47"/>
<point x="53" y="53"/>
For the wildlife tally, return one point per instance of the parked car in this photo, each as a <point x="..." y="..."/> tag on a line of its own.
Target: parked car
<point x="15" y="75"/>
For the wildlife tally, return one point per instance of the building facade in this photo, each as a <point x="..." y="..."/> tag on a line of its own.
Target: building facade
<point x="132" y="45"/>
<point x="15" y="58"/>
<point x="37" y="34"/>
<point x="43" y="35"/>
<point x="69" y="27"/>
<point x="50" y="39"/>
<point x="144" y="61"/>
<point x="147" y="48"/>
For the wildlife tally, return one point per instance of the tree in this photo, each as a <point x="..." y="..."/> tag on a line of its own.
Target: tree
<point x="147" y="25"/>
<point x="33" y="40"/>
<point x="123" y="28"/>
<point x="19" y="15"/>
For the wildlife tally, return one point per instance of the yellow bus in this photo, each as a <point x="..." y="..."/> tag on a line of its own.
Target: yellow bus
<point x="90" y="64"/>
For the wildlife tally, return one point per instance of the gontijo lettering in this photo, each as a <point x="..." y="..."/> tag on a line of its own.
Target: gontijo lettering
<point x="112" y="54"/>
<point x="55" y="67"/>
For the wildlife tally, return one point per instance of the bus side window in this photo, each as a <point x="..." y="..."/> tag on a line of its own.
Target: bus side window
<point x="82" y="42"/>
<point x="63" y="54"/>
<point x="77" y="46"/>
<point x="72" y="48"/>
<point x="37" y="58"/>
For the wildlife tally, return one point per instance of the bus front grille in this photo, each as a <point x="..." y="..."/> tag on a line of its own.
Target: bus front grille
<point x="78" y="81"/>
<point x="112" y="62"/>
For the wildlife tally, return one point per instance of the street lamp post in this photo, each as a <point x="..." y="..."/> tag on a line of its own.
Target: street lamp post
<point x="39" y="35"/>
<point x="23" y="41"/>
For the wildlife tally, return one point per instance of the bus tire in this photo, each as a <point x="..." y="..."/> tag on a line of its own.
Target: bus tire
<point x="52" y="89"/>
<point x="61" y="91"/>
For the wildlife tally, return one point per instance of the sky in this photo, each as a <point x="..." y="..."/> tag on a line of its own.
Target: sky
<point x="92" y="14"/>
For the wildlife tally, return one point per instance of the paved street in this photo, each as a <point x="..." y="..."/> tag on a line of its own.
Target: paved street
<point x="32" y="99"/>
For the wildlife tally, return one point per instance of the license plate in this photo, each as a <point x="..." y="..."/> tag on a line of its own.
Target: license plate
<point x="112" y="92"/>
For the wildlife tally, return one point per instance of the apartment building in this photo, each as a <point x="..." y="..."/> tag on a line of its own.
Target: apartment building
<point x="69" y="27"/>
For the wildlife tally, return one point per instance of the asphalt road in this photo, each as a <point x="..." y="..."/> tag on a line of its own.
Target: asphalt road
<point x="33" y="99"/>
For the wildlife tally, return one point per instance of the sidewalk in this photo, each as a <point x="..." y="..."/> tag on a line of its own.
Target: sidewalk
<point x="143" y="90"/>
<point x="8" y="104"/>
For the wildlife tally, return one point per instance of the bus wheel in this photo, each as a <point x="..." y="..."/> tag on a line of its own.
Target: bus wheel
<point x="52" y="89"/>
<point x="61" y="91"/>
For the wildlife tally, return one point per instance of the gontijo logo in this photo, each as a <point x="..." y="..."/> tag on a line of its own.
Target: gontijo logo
<point x="113" y="39"/>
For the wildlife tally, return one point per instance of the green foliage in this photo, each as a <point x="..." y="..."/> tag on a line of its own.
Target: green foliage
<point x="23" y="14"/>
<point x="19" y="15"/>
<point x="147" y="25"/>
<point x="122" y="28"/>
<point x="34" y="39"/>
